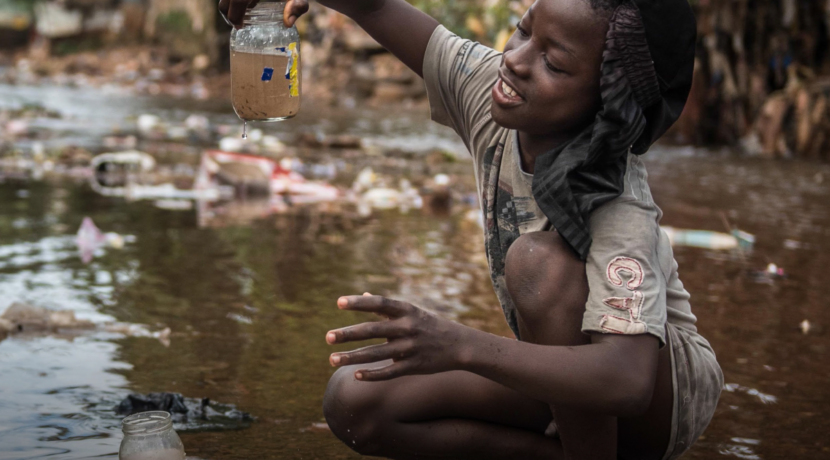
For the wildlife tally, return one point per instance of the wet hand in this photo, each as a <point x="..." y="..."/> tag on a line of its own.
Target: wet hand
<point x="418" y="342"/>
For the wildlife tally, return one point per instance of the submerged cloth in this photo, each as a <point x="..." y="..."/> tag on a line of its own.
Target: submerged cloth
<point x="646" y="77"/>
<point x="633" y="283"/>
<point x="197" y="414"/>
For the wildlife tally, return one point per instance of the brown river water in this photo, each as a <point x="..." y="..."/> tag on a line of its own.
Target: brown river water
<point x="249" y="302"/>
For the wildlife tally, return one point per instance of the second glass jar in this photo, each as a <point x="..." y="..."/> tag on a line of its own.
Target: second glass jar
<point x="265" y="66"/>
<point x="150" y="436"/>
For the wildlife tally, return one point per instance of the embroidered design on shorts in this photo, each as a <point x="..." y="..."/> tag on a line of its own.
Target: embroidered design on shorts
<point x="629" y="268"/>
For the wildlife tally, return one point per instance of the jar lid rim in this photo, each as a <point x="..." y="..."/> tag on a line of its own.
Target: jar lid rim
<point x="147" y="422"/>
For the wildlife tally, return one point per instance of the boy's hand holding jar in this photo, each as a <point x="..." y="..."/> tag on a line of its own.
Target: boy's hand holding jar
<point x="234" y="11"/>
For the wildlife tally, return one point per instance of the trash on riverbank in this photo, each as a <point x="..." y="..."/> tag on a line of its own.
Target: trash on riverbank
<point x="138" y="330"/>
<point x="90" y="239"/>
<point x="375" y="191"/>
<point x="708" y="239"/>
<point x="388" y="198"/>
<point x="317" y="427"/>
<point x="241" y="319"/>
<point x="793" y="244"/>
<point x="131" y="175"/>
<point x="122" y="164"/>
<point x="23" y="318"/>
<point x="189" y="414"/>
<point x="762" y="397"/>
<point x="255" y="175"/>
<point x="793" y="121"/>
<point x="319" y="140"/>
<point x="174" y="205"/>
<point x="769" y="275"/>
<point x="129" y="160"/>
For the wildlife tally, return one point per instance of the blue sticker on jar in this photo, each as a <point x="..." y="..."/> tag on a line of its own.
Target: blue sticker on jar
<point x="267" y="73"/>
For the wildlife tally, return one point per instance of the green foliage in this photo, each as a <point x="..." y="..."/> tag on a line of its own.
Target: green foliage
<point x="176" y="22"/>
<point x="75" y="45"/>
<point x="175" y="30"/>
<point x="460" y="15"/>
<point x="18" y="5"/>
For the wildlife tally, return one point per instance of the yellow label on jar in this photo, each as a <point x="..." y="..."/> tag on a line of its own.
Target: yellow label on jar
<point x="293" y="62"/>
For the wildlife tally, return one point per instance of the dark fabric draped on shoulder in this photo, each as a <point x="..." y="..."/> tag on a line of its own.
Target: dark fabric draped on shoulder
<point x="575" y="178"/>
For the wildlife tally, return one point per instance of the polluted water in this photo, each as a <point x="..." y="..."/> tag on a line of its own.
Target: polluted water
<point x="265" y="87"/>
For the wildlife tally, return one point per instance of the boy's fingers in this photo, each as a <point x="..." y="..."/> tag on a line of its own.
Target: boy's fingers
<point x="364" y="331"/>
<point x="375" y="304"/>
<point x="224" y="5"/>
<point x="237" y="10"/>
<point x="293" y="10"/>
<point x="371" y="354"/>
<point x="394" y="370"/>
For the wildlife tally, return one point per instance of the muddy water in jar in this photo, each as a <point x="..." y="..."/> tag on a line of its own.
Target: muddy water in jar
<point x="164" y="454"/>
<point x="265" y="87"/>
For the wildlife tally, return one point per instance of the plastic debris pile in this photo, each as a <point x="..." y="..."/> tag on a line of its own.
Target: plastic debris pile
<point x="24" y="318"/>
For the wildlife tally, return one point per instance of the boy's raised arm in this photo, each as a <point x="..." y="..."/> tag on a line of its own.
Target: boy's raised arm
<point x="398" y="26"/>
<point x="395" y="24"/>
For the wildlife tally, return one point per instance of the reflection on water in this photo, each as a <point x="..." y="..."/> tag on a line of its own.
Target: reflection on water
<point x="775" y="402"/>
<point x="249" y="294"/>
<point x="280" y="274"/>
<point x="51" y="389"/>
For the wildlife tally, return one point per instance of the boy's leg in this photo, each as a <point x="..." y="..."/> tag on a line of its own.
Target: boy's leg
<point x="548" y="285"/>
<point x="549" y="288"/>
<point x="448" y="415"/>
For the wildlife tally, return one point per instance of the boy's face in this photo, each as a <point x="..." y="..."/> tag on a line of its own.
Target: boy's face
<point x="548" y="81"/>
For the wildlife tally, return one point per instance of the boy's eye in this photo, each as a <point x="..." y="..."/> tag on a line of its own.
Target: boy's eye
<point x="522" y="32"/>
<point x="552" y="67"/>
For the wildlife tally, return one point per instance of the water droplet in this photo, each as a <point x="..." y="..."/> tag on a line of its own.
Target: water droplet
<point x="244" y="130"/>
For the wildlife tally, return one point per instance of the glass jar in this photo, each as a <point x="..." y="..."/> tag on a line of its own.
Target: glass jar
<point x="265" y="65"/>
<point x="150" y="436"/>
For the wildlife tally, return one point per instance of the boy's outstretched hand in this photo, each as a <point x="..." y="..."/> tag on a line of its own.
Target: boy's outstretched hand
<point x="418" y="342"/>
<point x="234" y="11"/>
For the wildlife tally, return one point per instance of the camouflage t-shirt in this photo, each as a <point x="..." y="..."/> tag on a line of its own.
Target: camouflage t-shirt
<point x="632" y="274"/>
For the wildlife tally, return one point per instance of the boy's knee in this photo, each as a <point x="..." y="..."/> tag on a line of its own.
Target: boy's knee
<point x="542" y="274"/>
<point x="351" y="410"/>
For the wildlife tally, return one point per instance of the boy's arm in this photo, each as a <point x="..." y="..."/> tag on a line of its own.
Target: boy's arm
<point x="395" y="24"/>
<point x="614" y="375"/>
<point x="398" y="26"/>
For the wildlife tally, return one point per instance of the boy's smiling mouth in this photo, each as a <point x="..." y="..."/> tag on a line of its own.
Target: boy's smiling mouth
<point x="506" y="89"/>
<point x="505" y="94"/>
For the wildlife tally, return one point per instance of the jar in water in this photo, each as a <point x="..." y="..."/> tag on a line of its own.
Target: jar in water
<point x="265" y="65"/>
<point x="150" y="436"/>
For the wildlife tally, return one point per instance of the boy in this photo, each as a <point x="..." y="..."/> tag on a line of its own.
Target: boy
<point x="609" y="363"/>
